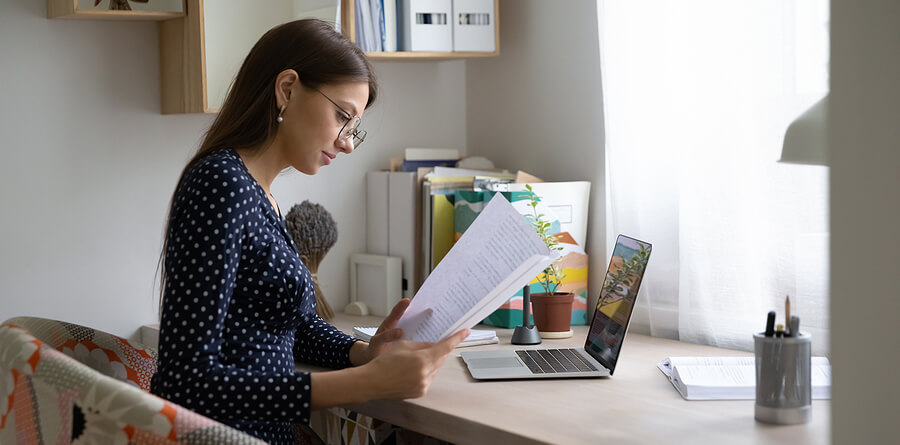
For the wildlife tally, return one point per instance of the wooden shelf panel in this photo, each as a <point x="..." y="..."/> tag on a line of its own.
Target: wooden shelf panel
<point x="422" y="56"/>
<point x="120" y="15"/>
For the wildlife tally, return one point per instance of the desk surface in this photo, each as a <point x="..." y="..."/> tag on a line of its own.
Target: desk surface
<point x="636" y="405"/>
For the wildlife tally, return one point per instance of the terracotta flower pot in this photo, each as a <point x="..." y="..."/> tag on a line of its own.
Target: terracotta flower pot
<point x="552" y="312"/>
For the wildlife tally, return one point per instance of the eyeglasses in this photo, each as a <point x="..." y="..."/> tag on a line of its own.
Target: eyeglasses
<point x="351" y="127"/>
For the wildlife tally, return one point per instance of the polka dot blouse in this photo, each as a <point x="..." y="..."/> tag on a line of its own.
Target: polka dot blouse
<point x="238" y="307"/>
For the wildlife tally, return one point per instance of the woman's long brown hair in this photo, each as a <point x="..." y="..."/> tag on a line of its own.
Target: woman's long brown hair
<point x="319" y="54"/>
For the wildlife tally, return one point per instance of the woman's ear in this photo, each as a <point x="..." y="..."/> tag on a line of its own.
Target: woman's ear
<point x="284" y="83"/>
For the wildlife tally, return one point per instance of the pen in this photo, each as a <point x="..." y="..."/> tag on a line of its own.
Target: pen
<point x="795" y="326"/>
<point x="787" y="314"/>
<point x="770" y="324"/>
<point x="779" y="330"/>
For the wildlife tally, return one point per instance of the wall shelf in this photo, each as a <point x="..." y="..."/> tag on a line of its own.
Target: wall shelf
<point x="348" y="28"/>
<point x="182" y="46"/>
<point x="411" y="55"/>
<point x="188" y="69"/>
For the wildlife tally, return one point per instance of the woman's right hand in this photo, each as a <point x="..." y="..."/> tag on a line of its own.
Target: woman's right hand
<point x="406" y="369"/>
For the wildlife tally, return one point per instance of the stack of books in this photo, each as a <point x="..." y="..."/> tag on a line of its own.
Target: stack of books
<point x="416" y="158"/>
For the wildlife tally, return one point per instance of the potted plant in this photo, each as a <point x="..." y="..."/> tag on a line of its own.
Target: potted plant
<point x="552" y="309"/>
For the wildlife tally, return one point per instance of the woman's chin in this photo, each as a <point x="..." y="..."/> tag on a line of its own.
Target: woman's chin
<point x="307" y="169"/>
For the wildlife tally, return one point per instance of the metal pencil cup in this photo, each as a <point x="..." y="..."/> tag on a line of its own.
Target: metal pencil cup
<point x="783" y="385"/>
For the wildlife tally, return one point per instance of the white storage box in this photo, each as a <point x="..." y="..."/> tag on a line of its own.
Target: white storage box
<point x="424" y="25"/>
<point x="473" y="25"/>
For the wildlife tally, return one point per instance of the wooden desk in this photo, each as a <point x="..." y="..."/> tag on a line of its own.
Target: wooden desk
<point x="636" y="405"/>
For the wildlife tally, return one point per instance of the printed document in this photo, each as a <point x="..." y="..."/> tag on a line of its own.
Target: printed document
<point x="497" y="255"/>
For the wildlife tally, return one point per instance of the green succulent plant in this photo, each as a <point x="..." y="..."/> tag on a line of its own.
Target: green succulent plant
<point x="553" y="275"/>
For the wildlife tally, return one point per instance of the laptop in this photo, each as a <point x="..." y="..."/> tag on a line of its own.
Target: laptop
<point x="604" y="340"/>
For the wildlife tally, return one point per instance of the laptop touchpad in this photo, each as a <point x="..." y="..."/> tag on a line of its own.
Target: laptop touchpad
<point x="498" y="362"/>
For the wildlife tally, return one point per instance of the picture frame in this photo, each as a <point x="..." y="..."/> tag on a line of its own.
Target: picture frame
<point x="152" y="10"/>
<point x="376" y="284"/>
<point x="174" y="6"/>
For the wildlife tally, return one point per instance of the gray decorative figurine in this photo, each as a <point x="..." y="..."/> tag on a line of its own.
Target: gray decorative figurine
<point x="527" y="334"/>
<point x="314" y="232"/>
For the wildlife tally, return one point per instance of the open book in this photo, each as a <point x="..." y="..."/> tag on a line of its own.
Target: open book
<point x="476" y="337"/>
<point x="731" y="378"/>
<point x="497" y="255"/>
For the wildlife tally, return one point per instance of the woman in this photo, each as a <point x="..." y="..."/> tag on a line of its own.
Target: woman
<point x="238" y="305"/>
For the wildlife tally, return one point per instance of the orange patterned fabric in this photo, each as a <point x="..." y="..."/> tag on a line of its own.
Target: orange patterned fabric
<point x="108" y="354"/>
<point x="62" y="383"/>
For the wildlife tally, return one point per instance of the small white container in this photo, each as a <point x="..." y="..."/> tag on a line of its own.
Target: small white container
<point x="425" y="25"/>
<point x="473" y="25"/>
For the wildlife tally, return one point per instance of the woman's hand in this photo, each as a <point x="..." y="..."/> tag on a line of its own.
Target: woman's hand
<point x="386" y="333"/>
<point x="402" y="370"/>
<point x="405" y="369"/>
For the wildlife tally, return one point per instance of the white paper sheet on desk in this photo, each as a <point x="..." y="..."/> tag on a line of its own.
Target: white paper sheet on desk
<point x="476" y="337"/>
<point x="498" y="254"/>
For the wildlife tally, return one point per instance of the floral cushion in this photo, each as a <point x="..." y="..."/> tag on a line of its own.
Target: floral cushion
<point x="63" y="383"/>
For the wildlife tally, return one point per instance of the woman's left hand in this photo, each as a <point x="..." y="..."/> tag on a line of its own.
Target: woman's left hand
<point x="386" y="333"/>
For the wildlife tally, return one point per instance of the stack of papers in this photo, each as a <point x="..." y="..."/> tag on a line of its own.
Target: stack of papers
<point x="731" y="378"/>
<point x="476" y="337"/>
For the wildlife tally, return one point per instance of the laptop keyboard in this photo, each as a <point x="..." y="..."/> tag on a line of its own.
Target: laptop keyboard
<point x="548" y="361"/>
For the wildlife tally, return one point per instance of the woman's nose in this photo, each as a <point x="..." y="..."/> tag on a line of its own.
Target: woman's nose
<point x="345" y="145"/>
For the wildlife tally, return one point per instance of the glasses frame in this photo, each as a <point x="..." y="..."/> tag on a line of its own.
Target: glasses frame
<point x="358" y="136"/>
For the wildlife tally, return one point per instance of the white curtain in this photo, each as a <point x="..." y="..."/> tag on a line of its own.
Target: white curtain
<point x="697" y="97"/>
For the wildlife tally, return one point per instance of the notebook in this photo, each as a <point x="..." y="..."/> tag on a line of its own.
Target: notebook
<point x="601" y="349"/>
<point x="476" y="336"/>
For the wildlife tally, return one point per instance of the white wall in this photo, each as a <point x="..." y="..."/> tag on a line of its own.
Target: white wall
<point x="865" y="216"/>
<point x="538" y="106"/>
<point x="88" y="164"/>
<point x="231" y="28"/>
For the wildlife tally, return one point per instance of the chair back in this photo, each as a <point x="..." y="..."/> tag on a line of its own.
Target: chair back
<point x="110" y="355"/>
<point x="63" y="383"/>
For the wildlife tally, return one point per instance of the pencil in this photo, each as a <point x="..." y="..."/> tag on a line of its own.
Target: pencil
<point x="787" y="313"/>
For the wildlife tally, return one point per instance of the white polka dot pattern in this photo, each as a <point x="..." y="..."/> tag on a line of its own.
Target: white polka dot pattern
<point x="239" y="306"/>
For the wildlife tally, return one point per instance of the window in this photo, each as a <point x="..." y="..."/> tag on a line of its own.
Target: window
<point x="697" y="98"/>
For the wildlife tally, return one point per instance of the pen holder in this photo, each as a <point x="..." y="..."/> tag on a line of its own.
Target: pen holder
<point x="783" y="385"/>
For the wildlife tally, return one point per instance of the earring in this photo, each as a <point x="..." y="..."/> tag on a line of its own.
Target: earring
<point x="280" y="119"/>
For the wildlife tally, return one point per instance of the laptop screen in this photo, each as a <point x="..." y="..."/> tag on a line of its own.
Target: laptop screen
<point x="617" y="297"/>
